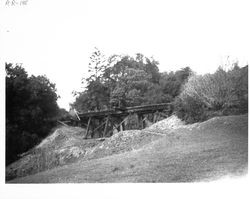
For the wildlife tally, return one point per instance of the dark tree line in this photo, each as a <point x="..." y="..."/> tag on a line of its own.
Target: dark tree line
<point x="121" y="81"/>
<point x="31" y="110"/>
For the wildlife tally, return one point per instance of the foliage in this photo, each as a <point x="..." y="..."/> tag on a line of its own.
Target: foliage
<point x="122" y="81"/>
<point x="171" y="83"/>
<point x="31" y="109"/>
<point x="221" y="93"/>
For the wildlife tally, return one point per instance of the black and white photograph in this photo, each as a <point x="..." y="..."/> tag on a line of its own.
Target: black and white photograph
<point x="124" y="93"/>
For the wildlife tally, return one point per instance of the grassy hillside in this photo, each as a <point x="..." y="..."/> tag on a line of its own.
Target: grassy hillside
<point x="185" y="153"/>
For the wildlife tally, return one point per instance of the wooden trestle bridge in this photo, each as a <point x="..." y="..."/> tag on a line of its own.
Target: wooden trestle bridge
<point x="103" y="123"/>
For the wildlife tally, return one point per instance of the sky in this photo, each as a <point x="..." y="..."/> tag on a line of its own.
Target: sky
<point x="56" y="38"/>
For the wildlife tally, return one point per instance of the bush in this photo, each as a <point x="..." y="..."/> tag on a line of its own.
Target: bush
<point x="221" y="93"/>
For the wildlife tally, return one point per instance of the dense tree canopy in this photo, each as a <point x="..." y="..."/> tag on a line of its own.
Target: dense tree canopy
<point x="30" y="110"/>
<point x="120" y="81"/>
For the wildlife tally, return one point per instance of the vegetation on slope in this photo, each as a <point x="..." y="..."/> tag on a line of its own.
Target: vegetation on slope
<point x="221" y="93"/>
<point x="31" y="110"/>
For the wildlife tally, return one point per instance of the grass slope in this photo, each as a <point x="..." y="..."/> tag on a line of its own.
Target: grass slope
<point x="199" y="152"/>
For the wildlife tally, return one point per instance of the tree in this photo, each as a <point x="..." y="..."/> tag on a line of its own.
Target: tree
<point x="130" y="78"/>
<point x="96" y="93"/>
<point x="121" y="81"/>
<point x="31" y="110"/>
<point x="221" y="93"/>
<point x="82" y="102"/>
<point x="171" y="83"/>
<point x="96" y="66"/>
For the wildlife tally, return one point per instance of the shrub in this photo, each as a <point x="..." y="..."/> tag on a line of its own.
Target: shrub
<point x="221" y="93"/>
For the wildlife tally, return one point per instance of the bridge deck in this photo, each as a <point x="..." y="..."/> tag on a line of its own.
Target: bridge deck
<point x="145" y="109"/>
<point x="106" y="120"/>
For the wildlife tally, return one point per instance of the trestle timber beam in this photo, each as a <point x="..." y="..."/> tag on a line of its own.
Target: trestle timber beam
<point x="106" y="125"/>
<point x="88" y="126"/>
<point x="146" y="109"/>
<point x="104" y="120"/>
<point x="99" y="126"/>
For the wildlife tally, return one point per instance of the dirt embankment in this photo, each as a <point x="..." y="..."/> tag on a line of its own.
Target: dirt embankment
<point x="168" y="151"/>
<point x="67" y="145"/>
